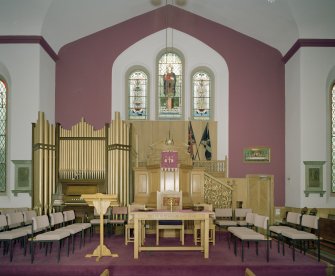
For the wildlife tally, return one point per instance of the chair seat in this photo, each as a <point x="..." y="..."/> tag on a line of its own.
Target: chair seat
<point x="299" y="235"/>
<point x="280" y="228"/>
<point x="10" y="235"/>
<point x="225" y="223"/>
<point x="52" y="236"/>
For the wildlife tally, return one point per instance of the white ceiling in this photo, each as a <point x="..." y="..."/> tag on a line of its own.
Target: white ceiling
<point x="278" y="24"/>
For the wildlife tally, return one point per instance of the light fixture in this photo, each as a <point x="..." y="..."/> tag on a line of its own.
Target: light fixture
<point x="169" y="141"/>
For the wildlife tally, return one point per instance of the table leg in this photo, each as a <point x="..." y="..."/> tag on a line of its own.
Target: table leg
<point x="136" y="238"/>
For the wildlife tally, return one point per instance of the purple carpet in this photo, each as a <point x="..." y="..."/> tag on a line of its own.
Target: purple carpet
<point x="222" y="261"/>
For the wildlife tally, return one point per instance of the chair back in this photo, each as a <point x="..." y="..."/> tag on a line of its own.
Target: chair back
<point x="3" y="222"/>
<point x="310" y="221"/>
<point x="28" y="215"/>
<point x="293" y="218"/>
<point x="261" y="221"/>
<point x="40" y="223"/>
<point x="119" y="212"/>
<point x="56" y="220"/>
<point x="250" y="218"/>
<point x="69" y="216"/>
<point x="242" y="212"/>
<point x="132" y="208"/>
<point x="14" y="220"/>
<point x="223" y="213"/>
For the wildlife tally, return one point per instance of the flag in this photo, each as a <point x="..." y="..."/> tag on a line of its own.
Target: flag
<point x="206" y="142"/>
<point x="191" y="141"/>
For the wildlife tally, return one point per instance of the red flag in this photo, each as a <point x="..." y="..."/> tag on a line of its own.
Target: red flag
<point x="191" y="140"/>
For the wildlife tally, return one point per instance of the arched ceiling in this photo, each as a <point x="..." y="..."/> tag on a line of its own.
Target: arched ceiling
<point x="278" y="23"/>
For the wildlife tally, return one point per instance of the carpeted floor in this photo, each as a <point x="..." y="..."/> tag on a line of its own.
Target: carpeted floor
<point x="222" y="261"/>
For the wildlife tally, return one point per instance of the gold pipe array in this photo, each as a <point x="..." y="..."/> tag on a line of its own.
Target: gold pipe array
<point x="79" y="154"/>
<point x="82" y="152"/>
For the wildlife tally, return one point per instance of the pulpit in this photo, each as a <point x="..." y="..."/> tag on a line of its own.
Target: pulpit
<point x="101" y="202"/>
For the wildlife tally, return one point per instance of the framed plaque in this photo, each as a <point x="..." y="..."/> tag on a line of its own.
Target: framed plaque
<point x="23" y="176"/>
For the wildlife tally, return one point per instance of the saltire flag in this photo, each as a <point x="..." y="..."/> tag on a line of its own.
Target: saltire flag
<point x="206" y="142"/>
<point x="191" y="141"/>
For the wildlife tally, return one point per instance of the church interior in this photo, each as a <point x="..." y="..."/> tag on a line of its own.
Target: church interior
<point x="119" y="139"/>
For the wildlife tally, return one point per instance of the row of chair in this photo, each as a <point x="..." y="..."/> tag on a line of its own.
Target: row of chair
<point x="26" y="226"/>
<point x="15" y="227"/>
<point x="251" y="232"/>
<point x="61" y="227"/>
<point x="298" y="229"/>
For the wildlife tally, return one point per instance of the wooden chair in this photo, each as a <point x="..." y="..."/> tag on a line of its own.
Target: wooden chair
<point x="197" y="225"/>
<point x="169" y="200"/>
<point x="118" y="217"/>
<point x="129" y="227"/>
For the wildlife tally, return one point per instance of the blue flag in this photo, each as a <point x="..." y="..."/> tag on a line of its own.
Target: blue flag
<point x="206" y="142"/>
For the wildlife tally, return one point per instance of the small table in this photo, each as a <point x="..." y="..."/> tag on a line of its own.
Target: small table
<point x="202" y="216"/>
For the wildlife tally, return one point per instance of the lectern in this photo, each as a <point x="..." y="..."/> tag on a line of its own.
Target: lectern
<point x="101" y="202"/>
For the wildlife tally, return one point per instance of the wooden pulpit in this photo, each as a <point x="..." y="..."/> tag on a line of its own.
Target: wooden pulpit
<point x="101" y="202"/>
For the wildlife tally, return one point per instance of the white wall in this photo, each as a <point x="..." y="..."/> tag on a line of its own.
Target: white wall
<point x="27" y="70"/>
<point x="196" y="54"/>
<point x="292" y="132"/>
<point x="308" y="77"/>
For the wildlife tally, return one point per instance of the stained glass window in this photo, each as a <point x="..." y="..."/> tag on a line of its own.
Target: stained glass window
<point x="3" y="134"/>
<point x="333" y="138"/>
<point x="201" y="91"/>
<point x="170" y="86"/>
<point x="138" y="96"/>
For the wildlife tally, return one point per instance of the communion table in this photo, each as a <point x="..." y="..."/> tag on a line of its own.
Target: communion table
<point x="141" y="216"/>
<point x="101" y="202"/>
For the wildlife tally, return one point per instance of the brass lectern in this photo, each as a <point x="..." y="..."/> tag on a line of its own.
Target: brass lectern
<point x="101" y="202"/>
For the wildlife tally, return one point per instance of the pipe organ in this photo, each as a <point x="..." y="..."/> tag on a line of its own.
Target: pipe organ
<point x="80" y="160"/>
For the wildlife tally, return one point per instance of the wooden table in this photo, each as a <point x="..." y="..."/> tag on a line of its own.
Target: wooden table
<point x="141" y="216"/>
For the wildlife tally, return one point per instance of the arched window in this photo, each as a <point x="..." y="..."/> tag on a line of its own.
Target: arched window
<point x="202" y="91"/>
<point x="138" y="95"/>
<point x="170" y="85"/>
<point x="332" y="98"/>
<point x="3" y="134"/>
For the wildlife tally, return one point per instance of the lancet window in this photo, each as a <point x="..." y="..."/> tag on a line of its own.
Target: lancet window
<point x="202" y="95"/>
<point x="138" y="103"/>
<point x="332" y="97"/>
<point x="170" y="86"/>
<point x="3" y="134"/>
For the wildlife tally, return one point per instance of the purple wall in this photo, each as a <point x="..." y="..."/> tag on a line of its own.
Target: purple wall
<point x="256" y="84"/>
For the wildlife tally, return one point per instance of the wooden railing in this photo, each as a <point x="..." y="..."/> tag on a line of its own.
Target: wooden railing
<point x="213" y="167"/>
<point x="218" y="192"/>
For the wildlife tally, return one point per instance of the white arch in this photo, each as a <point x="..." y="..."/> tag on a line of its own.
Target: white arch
<point x="196" y="54"/>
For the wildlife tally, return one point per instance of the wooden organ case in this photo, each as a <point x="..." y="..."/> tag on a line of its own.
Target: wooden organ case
<point x="70" y="162"/>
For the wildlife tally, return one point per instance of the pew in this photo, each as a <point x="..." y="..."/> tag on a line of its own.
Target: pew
<point x="327" y="234"/>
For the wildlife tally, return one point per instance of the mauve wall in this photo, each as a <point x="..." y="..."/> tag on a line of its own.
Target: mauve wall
<point x="256" y="84"/>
